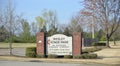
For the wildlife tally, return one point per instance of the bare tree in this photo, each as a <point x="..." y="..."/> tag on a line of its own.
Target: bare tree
<point x="50" y="18"/>
<point x="9" y="20"/>
<point x="47" y="21"/>
<point x="116" y="36"/>
<point x="34" y="28"/>
<point x="75" y="25"/>
<point x="106" y="12"/>
<point x="41" y="22"/>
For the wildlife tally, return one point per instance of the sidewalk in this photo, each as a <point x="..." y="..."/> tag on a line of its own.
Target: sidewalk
<point x="110" y="55"/>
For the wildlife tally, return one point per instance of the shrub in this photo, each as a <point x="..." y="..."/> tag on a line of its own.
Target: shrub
<point x="89" y="56"/>
<point x="88" y="50"/>
<point x="67" y="56"/>
<point x="31" y="52"/>
<point x="6" y="40"/>
<point x="98" y="44"/>
<point x="103" y="38"/>
<point x="78" y="56"/>
<point x="31" y="49"/>
<point x="86" y="56"/>
<point x="52" y="56"/>
<point x="40" y="56"/>
<point x="93" y="44"/>
<point x="84" y="51"/>
<point x="92" y="56"/>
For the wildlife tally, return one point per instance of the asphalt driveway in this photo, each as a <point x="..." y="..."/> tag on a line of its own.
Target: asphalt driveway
<point x="15" y="51"/>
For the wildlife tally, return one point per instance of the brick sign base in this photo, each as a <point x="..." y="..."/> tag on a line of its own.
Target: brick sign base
<point x="40" y="40"/>
<point x="76" y="46"/>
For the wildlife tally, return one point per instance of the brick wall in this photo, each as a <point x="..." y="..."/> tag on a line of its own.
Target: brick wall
<point x="40" y="40"/>
<point x="77" y="44"/>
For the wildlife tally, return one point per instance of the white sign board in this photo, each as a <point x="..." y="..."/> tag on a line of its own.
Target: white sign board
<point x="59" y="44"/>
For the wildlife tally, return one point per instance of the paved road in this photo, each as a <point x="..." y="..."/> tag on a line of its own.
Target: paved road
<point x="18" y="63"/>
<point x="15" y="51"/>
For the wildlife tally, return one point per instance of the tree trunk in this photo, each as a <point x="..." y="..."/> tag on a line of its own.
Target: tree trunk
<point x="114" y="42"/>
<point x="107" y="44"/>
<point x="10" y="48"/>
<point x="10" y="43"/>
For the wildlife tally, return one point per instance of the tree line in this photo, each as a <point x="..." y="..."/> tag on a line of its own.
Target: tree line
<point x="105" y="13"/>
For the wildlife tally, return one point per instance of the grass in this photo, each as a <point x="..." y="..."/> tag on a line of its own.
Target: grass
<point x="111" y="41"/>
<point x="6" y="45"/>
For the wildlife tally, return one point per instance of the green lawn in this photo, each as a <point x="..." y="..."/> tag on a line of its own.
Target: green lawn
<point x="6" y="45"/>
<point x="112" y="42"/>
